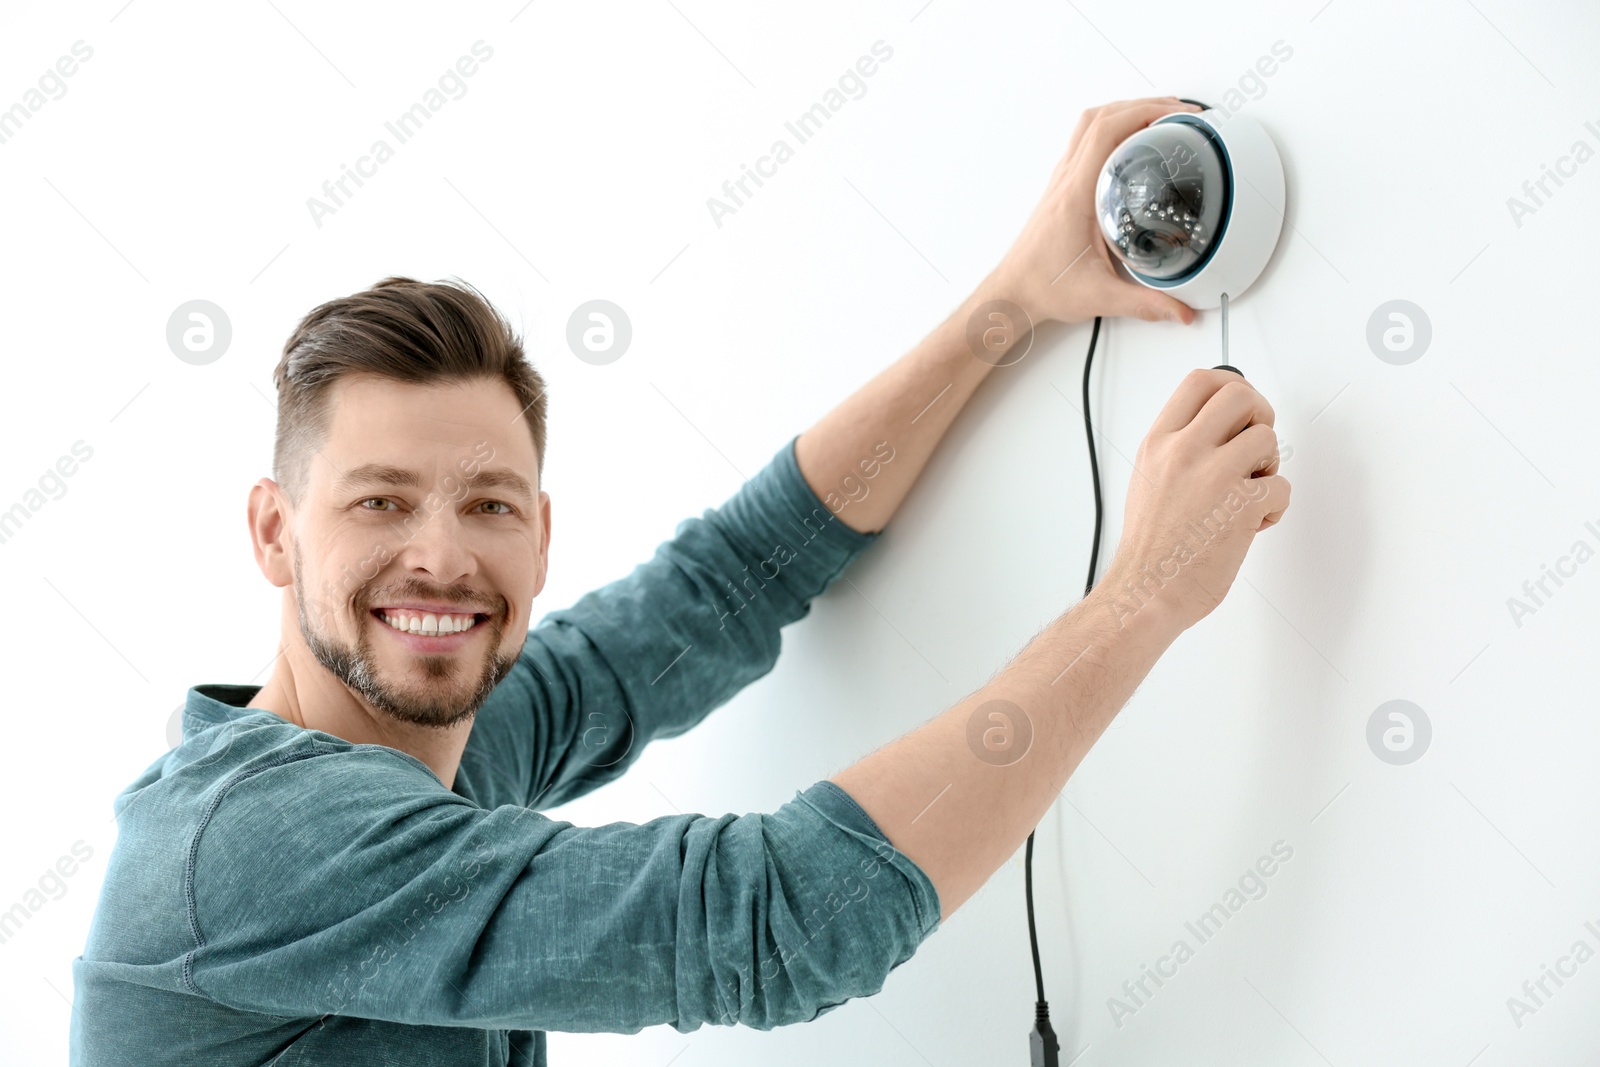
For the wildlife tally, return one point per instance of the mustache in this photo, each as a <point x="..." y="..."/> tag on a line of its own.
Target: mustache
<point x="466" y="602"/>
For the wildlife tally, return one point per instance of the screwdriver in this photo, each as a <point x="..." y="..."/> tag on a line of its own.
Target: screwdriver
<point x="1224" y="364"/>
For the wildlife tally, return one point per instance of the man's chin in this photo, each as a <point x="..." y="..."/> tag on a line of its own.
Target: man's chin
<point x="411" y="693"/>
<point x="419" y="708"/>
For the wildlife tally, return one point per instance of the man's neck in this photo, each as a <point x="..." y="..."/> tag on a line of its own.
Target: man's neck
<point x="313" y="699"/>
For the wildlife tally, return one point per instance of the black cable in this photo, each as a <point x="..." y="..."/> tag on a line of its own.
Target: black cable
<point x="1094" y="465"/>
<point x="1042" y="1041"/>
<point x="1033" y="936"/>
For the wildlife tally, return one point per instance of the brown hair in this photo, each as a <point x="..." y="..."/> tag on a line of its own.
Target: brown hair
<point x="410" y="331"/>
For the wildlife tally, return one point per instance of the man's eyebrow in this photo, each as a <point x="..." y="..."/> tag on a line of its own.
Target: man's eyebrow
<point x="370" y="475"/>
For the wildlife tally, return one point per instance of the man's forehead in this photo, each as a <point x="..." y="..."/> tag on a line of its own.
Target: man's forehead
<point x="402" y="434"/>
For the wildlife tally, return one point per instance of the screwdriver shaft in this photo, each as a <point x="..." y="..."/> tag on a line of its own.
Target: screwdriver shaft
<point x="1224" y="364"/>
<point x="1225" y="327"/>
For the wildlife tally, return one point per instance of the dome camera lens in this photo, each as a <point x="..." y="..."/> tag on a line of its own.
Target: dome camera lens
<point x="1162" y="197"/>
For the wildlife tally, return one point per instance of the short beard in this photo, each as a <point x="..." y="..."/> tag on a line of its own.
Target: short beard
<point x="355" y="667"/>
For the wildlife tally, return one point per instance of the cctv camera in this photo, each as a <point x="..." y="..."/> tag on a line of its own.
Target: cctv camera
<point x="1193" y="204"/>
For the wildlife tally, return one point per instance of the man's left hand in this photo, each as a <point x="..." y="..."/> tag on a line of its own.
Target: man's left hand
<point x="1059" y="267"/>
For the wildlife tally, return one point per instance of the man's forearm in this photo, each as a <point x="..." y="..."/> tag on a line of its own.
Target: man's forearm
<point x="863" y="457"/>
<point x="1058" y="270"/>
<point x="961" y="793"/>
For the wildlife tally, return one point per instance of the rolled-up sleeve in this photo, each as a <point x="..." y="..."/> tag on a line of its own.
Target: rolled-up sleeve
<point x="349" y="883"/>
<point x="651" y="654"/>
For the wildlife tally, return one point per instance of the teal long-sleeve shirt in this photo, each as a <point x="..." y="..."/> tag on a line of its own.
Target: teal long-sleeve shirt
<point x="279" y="895"/>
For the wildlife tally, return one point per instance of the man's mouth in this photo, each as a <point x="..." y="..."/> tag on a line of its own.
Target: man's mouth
<point x="429" y="624"/>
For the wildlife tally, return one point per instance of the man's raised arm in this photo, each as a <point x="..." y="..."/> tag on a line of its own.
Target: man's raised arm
<point x="863" y="457"/>
<point x="653" y="653"/>
<point x="960" y="794"/>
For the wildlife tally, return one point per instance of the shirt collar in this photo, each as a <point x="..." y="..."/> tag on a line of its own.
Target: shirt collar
<point x="211" y="704"/>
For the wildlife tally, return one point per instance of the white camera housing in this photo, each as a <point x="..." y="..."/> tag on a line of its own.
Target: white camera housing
<point x="1193" y="204"/>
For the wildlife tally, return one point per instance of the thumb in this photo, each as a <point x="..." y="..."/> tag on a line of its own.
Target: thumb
<point x="1151" y="305"/>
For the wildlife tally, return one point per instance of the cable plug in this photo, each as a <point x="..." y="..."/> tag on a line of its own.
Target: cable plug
<point x="1044" y="1049"/>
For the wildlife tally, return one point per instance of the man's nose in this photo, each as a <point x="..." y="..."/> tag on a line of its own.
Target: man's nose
<point x="436" y="543"/>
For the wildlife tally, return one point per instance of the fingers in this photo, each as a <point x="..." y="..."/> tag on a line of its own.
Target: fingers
<point x="1276" y="501"/>
<point x="1114" y="123"/>
<point x="1171" y="103"/>
<point x="1256" y="449"/>
<point x="1192" y="393"/>
<point x="1229" y="410"/>
<point x="1115" y="112"/>
<point x="1137" y="301"/>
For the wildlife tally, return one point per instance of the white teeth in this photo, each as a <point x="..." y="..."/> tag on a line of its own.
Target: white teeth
<point x="428" y="623"/>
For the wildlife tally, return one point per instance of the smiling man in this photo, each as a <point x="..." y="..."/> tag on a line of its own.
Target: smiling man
<point x="413" y="573"/>
<point x="347" y="865"/>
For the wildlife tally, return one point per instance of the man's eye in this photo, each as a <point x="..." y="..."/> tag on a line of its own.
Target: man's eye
<point x="503" y="504"/>
<point x="370" y="499"/>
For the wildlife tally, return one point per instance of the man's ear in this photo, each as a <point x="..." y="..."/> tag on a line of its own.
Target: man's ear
<point x="544" y="542"/>
<point x="269" y="531"/>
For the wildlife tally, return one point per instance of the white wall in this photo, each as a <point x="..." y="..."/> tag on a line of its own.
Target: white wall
<point x="1418" y="898"/>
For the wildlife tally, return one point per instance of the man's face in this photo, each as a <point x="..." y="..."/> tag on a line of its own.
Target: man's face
<point x="370" y="543"/>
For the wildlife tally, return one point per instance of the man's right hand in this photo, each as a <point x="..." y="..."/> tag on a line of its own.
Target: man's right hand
<point x="1205" y="483"/>
<point x="959" y="794"/>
